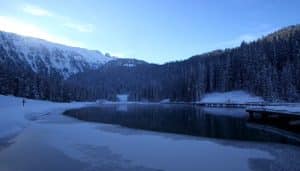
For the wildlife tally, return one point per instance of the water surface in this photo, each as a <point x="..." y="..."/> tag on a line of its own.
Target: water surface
<point x="224" y="123"/>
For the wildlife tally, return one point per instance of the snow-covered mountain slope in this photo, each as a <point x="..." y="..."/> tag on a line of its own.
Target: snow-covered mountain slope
<point x="45" y="57"/>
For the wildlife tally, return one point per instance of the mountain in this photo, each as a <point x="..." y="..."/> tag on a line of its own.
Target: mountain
<point x="284" y="33"/>
<point x="268" y="67"/>
<point x="44" y="57"/>
<point x="36" y="68"/>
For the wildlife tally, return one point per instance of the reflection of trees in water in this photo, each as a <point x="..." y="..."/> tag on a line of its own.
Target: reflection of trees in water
<point x="175" y="119"/>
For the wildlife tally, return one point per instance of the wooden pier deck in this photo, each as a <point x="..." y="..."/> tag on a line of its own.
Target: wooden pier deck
<point x="285" y="117"/>
<point x="279" y="111"/>
<point x="229" y="105"/>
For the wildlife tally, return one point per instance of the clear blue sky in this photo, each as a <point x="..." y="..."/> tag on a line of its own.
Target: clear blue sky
<point x="152" y="30"/>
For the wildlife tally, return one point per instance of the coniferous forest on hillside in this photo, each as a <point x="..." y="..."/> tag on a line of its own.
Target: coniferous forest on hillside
<point x="146" y="85"/>
<point x="268" y="67"/>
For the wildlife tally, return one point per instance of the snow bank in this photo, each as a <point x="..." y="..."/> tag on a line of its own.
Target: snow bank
<point x="12" y="112"/>
<point x="122" y="97"/>
<point x="235" y="97"/>
<point x="165" y="101"/>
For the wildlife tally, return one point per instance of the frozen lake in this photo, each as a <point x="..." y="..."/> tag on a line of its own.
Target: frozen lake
<point x="223" y="123"/>
<point x="146" y="137"/>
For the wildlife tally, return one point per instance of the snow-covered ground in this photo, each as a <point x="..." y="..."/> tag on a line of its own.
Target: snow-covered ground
<point x="56" y="142"/>
<point x="13" y="114"/>
<point x="165" y="101"/>
<point x="234" y="97"/>
<point x="122" y="97"/>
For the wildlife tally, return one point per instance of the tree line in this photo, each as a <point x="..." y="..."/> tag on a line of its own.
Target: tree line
<point x="268" y="67"/>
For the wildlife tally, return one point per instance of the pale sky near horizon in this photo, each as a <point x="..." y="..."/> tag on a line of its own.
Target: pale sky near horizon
<point x="152" y="30"/>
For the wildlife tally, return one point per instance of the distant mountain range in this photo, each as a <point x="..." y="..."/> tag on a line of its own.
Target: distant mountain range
<point x="268" y="67"/>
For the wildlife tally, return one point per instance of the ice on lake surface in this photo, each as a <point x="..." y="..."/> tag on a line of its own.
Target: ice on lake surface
<point x="58" y="142"/>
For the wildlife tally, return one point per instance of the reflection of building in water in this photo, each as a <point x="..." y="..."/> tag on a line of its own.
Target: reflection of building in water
<point x="122" y="97"/>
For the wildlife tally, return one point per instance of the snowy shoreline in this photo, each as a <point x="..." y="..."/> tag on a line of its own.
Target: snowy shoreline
<point x="14" y="116"/>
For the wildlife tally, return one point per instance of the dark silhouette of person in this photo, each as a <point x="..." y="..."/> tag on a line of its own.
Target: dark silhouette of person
<point x="23" y="101"/>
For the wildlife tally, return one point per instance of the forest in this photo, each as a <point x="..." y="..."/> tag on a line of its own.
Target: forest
<point x="268" y="67"/>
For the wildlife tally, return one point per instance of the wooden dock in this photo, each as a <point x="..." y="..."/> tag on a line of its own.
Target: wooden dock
<point x="266" y="112"/>
<point x="284" y="117"/>
<point x="229" y="105"/>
